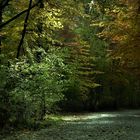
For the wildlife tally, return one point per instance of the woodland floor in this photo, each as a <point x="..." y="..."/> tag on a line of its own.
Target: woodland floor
<point x="121" y="125"/>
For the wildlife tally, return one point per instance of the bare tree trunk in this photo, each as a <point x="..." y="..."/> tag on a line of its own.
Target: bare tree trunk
<point x="24" y="29"/>
<point x="0" y="30"/>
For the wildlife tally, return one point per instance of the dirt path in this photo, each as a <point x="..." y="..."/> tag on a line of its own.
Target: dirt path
<point x="94" y="126"/>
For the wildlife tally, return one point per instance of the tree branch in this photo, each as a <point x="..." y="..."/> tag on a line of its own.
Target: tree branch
<point x="18" y="15"/>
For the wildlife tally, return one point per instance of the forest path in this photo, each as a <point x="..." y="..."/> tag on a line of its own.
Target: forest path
<point x="121" y="125"/>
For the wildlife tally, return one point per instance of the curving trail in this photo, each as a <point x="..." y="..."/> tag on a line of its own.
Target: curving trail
<point x="121" y="125"/>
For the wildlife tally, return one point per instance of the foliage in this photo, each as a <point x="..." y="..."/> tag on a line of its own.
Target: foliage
<point x="32" y="88"/>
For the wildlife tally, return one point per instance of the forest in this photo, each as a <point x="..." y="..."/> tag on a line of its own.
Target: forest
<point x="66" y="56"/>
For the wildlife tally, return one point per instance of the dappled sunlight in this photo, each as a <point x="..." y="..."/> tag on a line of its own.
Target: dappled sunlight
<point x="90" y="122"/>
<point x="88" y="117"/>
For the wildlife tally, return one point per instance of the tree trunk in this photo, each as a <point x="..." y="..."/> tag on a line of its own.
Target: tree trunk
<point x="24" y="29"/>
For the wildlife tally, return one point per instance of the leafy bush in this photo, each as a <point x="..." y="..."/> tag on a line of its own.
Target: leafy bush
<point x="30" y="90"/>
